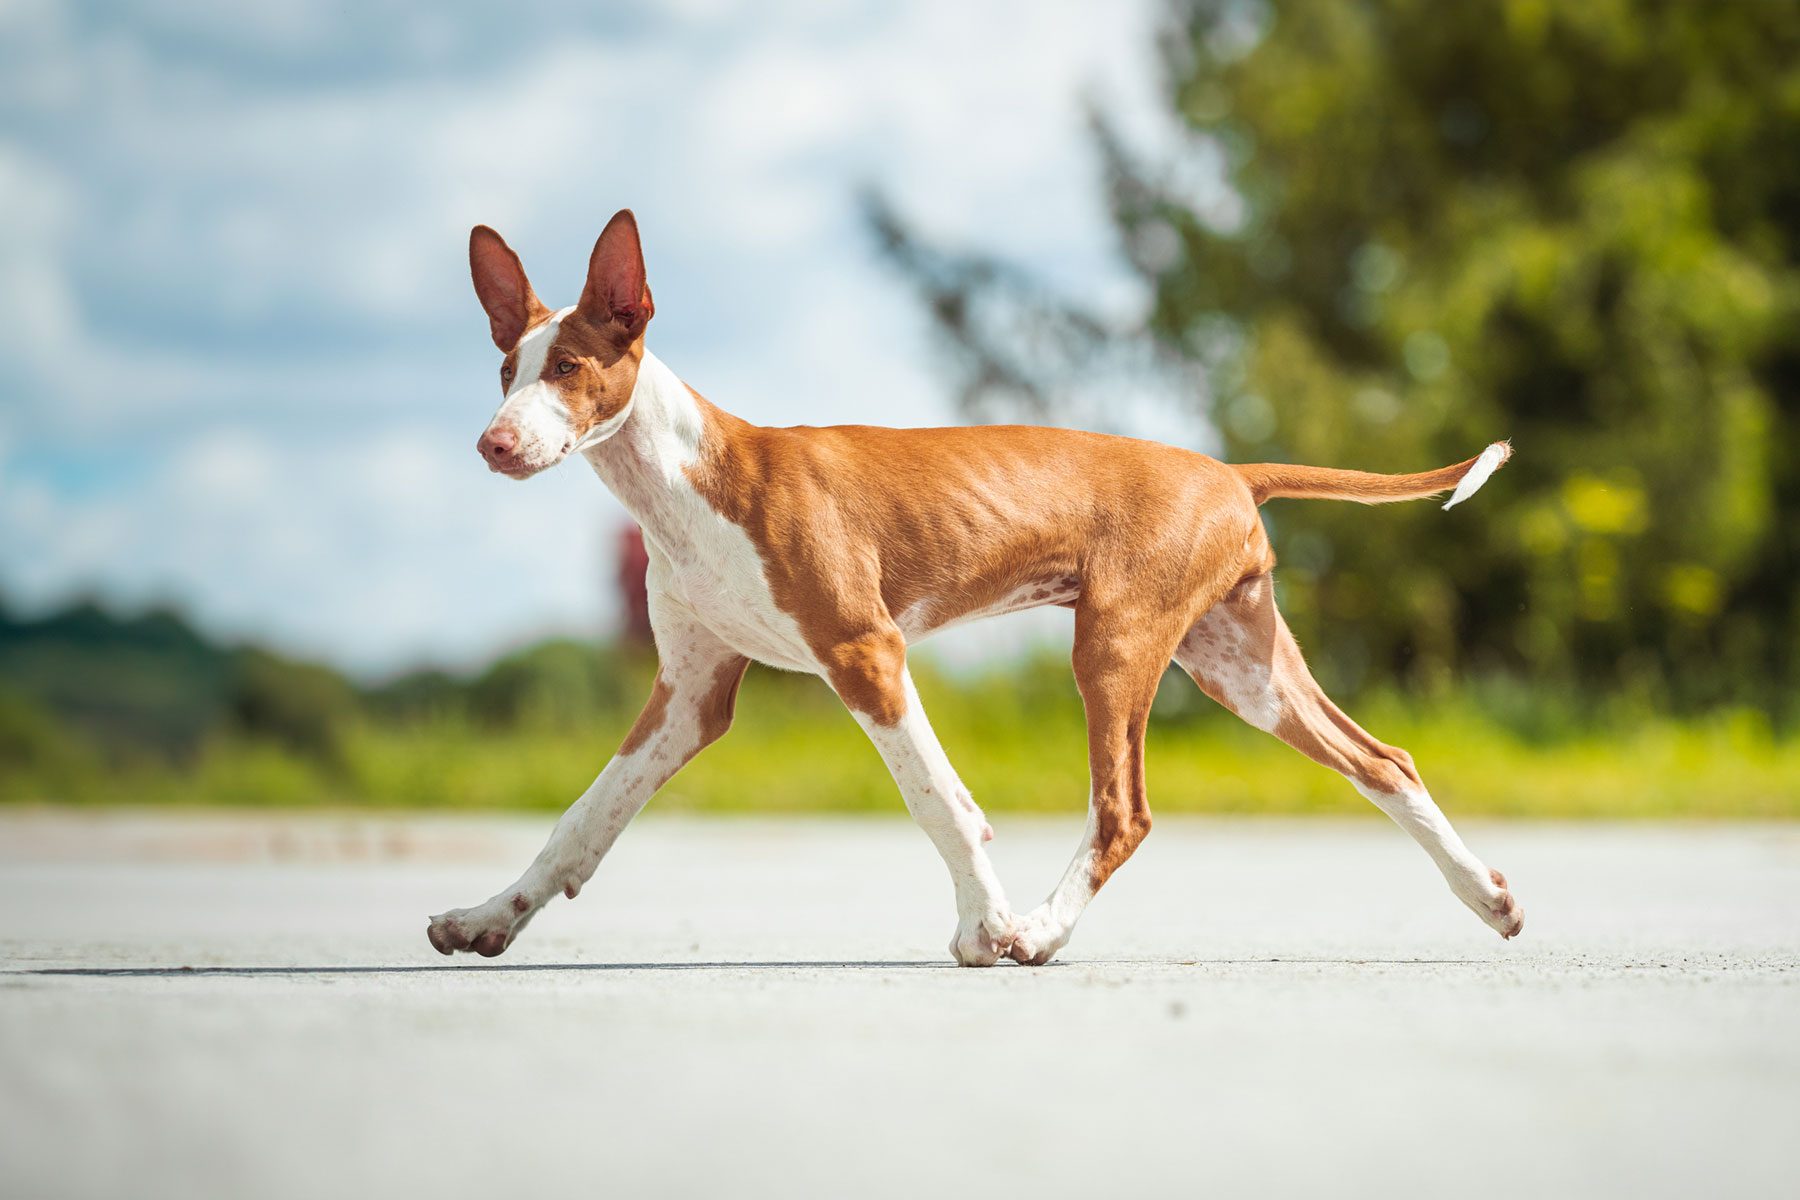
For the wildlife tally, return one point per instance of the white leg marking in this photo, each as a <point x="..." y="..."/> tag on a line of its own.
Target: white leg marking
<point x="1046" y="929"/>
<point x="692" y="659"/>
<point x="1238" y="663"/>
<point x="1469" y="878"/>
<point x="947" y="813"/>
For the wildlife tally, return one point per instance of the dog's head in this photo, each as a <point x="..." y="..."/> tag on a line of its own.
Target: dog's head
<point x="567" y="376"/>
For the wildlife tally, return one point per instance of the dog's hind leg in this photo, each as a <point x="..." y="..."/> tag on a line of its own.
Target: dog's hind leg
<point x="690" y="706"/>
<point x="1242" y="655"/>
<point x="1119" y="658"/>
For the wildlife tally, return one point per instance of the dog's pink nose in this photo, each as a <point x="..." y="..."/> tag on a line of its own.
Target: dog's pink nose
<point x="498" y="443"/>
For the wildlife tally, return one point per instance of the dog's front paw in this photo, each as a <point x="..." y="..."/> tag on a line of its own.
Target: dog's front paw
<point x="1037" y="937"/>
<point x="487" y="929"/>
<point x="982" y="939"/>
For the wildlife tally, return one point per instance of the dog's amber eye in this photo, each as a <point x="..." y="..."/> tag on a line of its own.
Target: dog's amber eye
<point x="564" y="367"/>
<point x="506" y="374"/>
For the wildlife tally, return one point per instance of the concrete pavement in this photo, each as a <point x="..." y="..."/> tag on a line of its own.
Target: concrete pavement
<point x="249" y="1008"/>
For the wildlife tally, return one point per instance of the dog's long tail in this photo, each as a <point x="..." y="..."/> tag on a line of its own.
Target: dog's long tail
<point x="1270" y="481"/>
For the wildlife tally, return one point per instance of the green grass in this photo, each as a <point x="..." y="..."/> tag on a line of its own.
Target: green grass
<point x="1017" y="739"/>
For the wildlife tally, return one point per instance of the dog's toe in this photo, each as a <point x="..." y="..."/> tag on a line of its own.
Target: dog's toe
<point x="487" y="930"/>
<point x="982" y="941"/>
<point x="1037" y="939"/>
<point x="1505" y="913"/>
<point x="446" y="935"/>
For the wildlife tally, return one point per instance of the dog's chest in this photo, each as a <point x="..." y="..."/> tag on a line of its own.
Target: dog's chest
<point x="712" y="568"/>
<point x="698" y="559"/>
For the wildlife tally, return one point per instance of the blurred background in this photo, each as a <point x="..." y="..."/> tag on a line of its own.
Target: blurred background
<point x="248" y="556"/>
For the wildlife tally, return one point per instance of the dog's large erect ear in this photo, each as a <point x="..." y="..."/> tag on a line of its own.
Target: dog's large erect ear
<point x="616" y="290"/>
<point x="500" y="283"/>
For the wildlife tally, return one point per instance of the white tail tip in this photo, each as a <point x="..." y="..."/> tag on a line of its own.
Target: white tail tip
<point x="1480" y="473"/>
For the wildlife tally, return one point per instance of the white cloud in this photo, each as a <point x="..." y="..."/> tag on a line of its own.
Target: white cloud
<point x="397" y="551"/>
<point x="38" y="316"/>
<point x="249" y="235"/>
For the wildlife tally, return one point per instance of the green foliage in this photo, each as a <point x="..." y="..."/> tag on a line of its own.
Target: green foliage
<point x="1577" y="225"/>
<point x="533" y="729"/>
<point x="299" y="706"/>
<point x="145" y="683"/>
<point x="561" y="683"/>
<point x="149" y="687"/>
<point x="35" y="745"/>
<point x="1017" y="737"/>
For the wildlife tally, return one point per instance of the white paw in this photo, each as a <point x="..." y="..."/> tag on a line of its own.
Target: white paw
<point x="1491" y="901"/>
<point x="487" y="929"/>
<point x="1037" y="936"/>
<point x="982" y="938"/>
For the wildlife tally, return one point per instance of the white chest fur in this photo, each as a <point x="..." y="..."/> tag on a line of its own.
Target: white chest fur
<point x="697" y="558"/>
<point x="718" y="577"/>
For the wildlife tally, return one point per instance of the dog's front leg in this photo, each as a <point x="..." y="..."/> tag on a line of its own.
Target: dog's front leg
<point x="871" y="677"/>
<point x="690" y="706"/>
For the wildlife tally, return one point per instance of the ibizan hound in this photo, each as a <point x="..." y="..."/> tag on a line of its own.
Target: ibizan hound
<point x="831" y="550"/>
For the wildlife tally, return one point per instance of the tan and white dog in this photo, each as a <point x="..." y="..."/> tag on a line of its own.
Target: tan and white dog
<point x="831" y="550"/>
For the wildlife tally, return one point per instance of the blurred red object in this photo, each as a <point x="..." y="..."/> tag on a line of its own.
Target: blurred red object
<point x="633" y="562"/>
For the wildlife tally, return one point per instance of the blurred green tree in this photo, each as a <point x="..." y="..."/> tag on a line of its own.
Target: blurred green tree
<point x="35" y="745"/>
<point x="559" y="684"/>
<point x="300" y="706"/>
<point x="1431" y="225"/>
<point x="147" y="683"/>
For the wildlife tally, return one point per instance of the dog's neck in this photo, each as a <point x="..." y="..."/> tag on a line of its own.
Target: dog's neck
<point x="645" y="462"/>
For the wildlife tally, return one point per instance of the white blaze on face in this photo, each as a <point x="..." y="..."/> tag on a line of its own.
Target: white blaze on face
<point x="533" y="408"/>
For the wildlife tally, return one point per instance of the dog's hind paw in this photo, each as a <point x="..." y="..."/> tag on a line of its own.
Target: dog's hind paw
<point x="1494" y="903"/>
<point x="1505" y="914"/>
<point x="1037" y="938"/>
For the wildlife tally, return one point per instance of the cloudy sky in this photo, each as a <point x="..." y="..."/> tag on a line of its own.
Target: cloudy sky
<point x="241" y="367"/>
